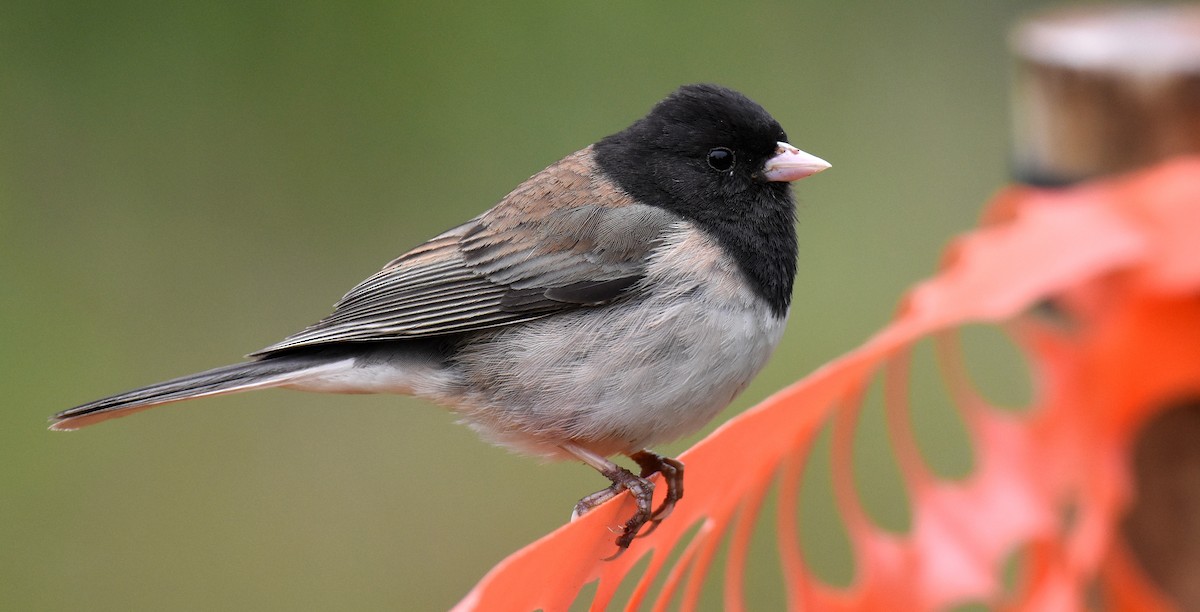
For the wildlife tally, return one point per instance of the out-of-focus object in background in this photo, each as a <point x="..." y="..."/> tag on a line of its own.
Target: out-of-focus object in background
<point x="1103" y="90"/>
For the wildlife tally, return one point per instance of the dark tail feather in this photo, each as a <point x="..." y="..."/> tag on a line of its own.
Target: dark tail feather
<point x="229" y="379"/>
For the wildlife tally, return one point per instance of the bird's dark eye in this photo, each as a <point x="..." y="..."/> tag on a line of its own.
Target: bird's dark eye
<point x="720" y="159"/>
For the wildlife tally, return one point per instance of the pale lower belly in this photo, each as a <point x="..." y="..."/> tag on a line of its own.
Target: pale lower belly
<point x="612" y="384"/>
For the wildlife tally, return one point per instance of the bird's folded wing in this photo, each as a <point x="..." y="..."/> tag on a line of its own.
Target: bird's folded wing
<point x="564" y="239"/>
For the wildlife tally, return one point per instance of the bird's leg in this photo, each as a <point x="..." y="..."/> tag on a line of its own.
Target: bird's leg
<point x="672" y="473"/>
<point x="641" y="489"/>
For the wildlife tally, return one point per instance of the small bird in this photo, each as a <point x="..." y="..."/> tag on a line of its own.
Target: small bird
<point x="618" y="299"/>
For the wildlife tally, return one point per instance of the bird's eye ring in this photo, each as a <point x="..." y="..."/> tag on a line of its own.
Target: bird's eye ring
<point x="721" y="159"/>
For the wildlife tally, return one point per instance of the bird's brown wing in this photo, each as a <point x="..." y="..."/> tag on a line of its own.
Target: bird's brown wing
<point x="563" y="239"/>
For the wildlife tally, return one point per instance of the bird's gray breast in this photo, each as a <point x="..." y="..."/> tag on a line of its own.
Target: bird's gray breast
<point x="628" y="375"/>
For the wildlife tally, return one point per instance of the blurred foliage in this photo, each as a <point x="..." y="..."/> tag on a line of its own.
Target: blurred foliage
<point x="181" y="183"/>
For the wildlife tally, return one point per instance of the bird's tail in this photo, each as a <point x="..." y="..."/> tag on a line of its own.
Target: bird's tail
<point x="269" y="372"/>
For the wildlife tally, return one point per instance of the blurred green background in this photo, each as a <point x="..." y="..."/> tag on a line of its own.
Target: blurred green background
<point x="184" y="183"/>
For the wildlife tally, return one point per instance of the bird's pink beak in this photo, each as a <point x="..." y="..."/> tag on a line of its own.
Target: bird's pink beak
<point x="792" y="164"/>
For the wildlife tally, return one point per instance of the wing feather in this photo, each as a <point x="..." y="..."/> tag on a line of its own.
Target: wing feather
<point x="564" y="239"/>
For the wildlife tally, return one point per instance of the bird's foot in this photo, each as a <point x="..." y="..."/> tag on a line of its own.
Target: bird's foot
<point x="642" y="491"/>
<point x="591" y="502"/>
<point x="639" y="487"/>
<point x="672" y="473"/>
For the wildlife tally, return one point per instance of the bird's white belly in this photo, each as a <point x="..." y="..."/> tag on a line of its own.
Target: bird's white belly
<point x="620" y="378"/>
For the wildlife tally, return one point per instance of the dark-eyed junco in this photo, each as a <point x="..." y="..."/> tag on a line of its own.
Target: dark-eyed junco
<point x="617" y="299"/>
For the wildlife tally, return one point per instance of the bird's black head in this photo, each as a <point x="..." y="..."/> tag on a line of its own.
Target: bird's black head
<point x="700" y="153"/>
